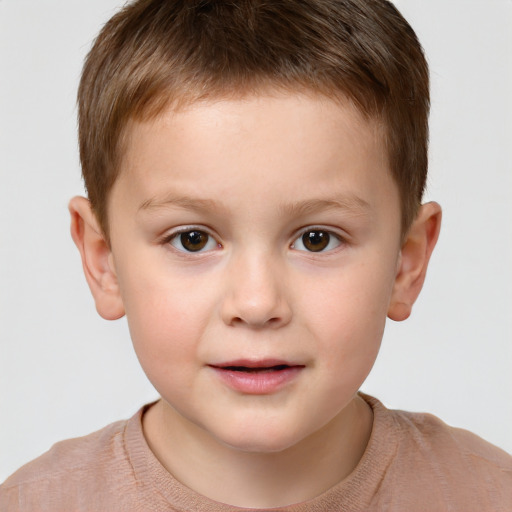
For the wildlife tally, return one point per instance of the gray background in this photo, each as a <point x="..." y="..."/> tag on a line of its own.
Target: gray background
<point x="65" y="372"/>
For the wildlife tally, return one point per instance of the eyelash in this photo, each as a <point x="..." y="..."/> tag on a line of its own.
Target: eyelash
<point x="338" y="240"/>
<point x="299" y="239"/>
<point x="191" y="229"/>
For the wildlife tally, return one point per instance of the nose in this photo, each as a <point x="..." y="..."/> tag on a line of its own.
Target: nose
<point x="256" y="294"/>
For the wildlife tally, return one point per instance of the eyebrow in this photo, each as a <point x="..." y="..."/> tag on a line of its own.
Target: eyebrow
<point x="352" y="204"/>
<point x="185" y="202"/>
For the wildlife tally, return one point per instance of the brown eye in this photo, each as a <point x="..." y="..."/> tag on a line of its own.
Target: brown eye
<point x="316" y="241"/>
<point x="193" y="240"/>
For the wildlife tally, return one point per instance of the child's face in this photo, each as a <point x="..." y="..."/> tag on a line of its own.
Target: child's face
<point x="258" y="232"/>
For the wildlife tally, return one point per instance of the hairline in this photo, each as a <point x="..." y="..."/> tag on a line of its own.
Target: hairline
<point x="167" y="100"/>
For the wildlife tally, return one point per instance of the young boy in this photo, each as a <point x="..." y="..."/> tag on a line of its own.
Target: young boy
<point x="254" y="174"/>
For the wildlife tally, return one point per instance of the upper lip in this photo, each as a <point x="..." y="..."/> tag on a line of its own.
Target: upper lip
<point x="255" y="363"/>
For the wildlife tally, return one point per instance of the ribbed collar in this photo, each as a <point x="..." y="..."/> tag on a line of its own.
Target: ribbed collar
<point x="355" y="492"/>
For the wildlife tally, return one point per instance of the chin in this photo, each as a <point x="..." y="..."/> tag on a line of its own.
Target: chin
<point x="260" y="440"/>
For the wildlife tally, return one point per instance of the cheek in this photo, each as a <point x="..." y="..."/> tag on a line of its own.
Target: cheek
<point x="167" y="316"/>
<point x="347" y="315"/>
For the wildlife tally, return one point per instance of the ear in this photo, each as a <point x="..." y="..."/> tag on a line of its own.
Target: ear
<point x="413" y="260"/>
<point x="97" y="260"/>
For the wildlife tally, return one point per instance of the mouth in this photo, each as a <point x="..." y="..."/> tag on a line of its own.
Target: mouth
<point x="249" y="366"/>
<point x="257" y="377"/>
<point x="248" y="369"/>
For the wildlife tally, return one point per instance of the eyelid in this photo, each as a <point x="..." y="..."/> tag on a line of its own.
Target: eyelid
<point x="169" y="236"/>
<point x="342" y="239"/>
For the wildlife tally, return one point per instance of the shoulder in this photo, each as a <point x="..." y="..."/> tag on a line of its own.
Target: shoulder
<point x="71" y="455"/>
<point x="449" y="467"/>
<point x="70" y="469"/>
<point x="432" y="437"/>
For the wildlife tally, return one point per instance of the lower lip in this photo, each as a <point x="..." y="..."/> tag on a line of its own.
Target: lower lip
<point x="258" y="383"/>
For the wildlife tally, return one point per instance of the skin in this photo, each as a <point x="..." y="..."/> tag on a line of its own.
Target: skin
<point x="253" y="175"/>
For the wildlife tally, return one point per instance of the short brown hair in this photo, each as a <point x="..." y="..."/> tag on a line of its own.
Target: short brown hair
<point x="159" y="52"/>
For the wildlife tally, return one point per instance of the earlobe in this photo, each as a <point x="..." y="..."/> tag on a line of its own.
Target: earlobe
<point x="97" y="260"/>
<point x="414" y="258"/>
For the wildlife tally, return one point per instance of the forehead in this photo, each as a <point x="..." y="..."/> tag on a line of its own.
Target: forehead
<point x="243" y="107"/>
<point x="272" y="144"/>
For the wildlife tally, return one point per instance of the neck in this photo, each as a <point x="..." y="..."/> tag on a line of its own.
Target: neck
<point x="259" y="480"/>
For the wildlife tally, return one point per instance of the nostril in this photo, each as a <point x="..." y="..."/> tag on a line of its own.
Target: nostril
<point x="255" y="303"/>
<point x="272" y="322"/>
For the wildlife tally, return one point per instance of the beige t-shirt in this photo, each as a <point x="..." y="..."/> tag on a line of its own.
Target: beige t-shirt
<point x="413" y="462"/>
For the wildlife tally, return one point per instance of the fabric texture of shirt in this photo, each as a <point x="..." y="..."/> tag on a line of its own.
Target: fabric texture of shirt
<point x="413" y="462"/>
